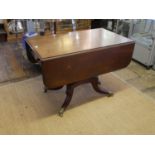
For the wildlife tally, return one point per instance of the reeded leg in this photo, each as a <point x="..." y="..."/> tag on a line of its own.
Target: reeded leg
<point x="69" y="93"/>
<point x="96" y="87"/>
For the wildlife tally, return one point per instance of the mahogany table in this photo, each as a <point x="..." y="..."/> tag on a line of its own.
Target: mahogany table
<point x="79" y="57"/>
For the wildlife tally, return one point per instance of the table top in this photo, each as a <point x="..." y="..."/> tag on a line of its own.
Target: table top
<point x="53" y="46"/>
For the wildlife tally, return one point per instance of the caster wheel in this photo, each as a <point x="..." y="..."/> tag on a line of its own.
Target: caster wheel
<point x="148" y="67"/>
<point x="110" y="94"/>
<point x="61" y="112"/>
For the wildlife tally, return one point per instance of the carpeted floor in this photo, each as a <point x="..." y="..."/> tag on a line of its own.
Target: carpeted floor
<point x="14" y="65"/>
<point x="25" y="109"/>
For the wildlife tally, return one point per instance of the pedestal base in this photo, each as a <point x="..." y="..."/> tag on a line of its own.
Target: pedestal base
<point x="70" y="89"/>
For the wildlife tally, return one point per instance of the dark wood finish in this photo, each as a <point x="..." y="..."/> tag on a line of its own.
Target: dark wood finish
<point x="95" y="84"/>
<point x="70" y="89"/>
<point x="3" y="34"/>
<point x="30" y="54"/>
<point x="73" y="68"/>
<point x="78" y="56"/>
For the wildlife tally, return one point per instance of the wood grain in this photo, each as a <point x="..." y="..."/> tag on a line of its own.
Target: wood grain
<point x="73" y="68"/>
<point x="80" y="41"/>
<point x="80" y="55"/>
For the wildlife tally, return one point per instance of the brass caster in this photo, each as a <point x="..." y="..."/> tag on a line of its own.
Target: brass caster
<point x="110" y="94"/>
<point x="61" y="112"/>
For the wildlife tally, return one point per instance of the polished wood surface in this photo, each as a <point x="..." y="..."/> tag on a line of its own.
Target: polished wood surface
<point x="70" y="90"/>
<point x="80" y="56"/>
<point x="74" y="42"/>
<point x="73" y="68"/>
